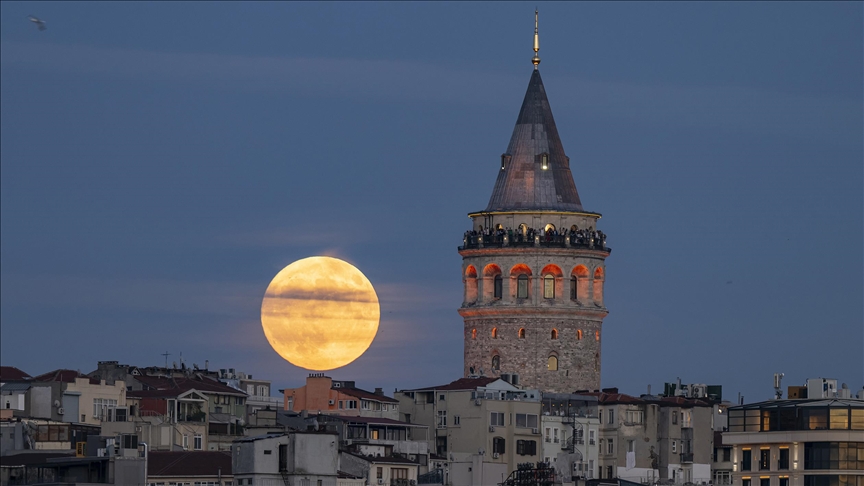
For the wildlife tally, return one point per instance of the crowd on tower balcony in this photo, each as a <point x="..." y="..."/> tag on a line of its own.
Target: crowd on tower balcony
<point x="525" y="236"/>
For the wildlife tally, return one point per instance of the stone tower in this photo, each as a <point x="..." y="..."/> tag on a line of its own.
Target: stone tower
<point x="533" y="265"/>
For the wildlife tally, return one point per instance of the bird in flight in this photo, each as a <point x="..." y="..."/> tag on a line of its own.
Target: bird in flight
<point x="36" y="20"/>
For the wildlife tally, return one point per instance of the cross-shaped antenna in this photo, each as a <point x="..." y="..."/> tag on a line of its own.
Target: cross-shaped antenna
<point x="166" y="354"/>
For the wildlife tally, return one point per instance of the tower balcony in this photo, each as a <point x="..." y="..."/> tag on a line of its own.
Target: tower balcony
<point x="581" y="239"/>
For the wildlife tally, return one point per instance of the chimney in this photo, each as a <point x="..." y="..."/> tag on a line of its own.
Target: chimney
<point x="379" y="391"/>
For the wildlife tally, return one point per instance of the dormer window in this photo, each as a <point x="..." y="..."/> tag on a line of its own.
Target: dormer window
<point x="544" y="161"/>
<point x="505" y="159"/>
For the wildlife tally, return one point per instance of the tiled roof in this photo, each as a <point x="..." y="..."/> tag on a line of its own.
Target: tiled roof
<point x="612" y="398"/>
<point x="460" y="384"/>
<point x="189" y="463"/>
<point x="32" y="458"/>
<point x="524" y="184"/>
<point x="11" y="373"/>
<point x="186" y="384"/>
<point x="356" y="392"/>
<point x="65" y="376"/>
<point x="385" y="460"/>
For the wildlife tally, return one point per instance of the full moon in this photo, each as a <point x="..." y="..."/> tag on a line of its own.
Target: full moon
<point x="320" y="313"/>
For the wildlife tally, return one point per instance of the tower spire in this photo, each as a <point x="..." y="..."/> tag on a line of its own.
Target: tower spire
<point x="536" y="59"/>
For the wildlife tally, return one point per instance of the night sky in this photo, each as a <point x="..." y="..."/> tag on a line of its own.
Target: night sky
<point x="161" y="162"/>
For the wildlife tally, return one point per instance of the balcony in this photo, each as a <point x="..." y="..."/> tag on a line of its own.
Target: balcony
<point x="582" y="239"/>
<point x="686" y="457"/>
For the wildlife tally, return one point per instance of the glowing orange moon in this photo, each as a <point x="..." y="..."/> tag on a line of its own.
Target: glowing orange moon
<point x="320" y="313"/>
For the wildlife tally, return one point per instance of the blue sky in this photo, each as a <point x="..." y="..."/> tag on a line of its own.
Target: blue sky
<point x="161" y="162"/>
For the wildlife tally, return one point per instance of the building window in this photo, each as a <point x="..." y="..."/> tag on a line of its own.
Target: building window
<point x="631" y="446"/>
<point x="496" y="362"/>
<point x="610" y="447"/>
<point x="579" y="334"/>
<point x="197" y="442"/>
<point x="633" y="417"/>
<point x="498" y="445"/>
<point x="596" y="335"/>
<point x="522" y="286"/>
<point x="674" y="417"/>
<point x="496" y="419"/>
<point x="522" y="333"/>
<point x="379" y="472"/>
<point x="784" y="481"/>
<point x="554" y="333"/>
<point x="674" y="446"/>
<point x="745" y="459"/>
<point x="494" y="333"/>
<point x="544" y="161"/>
<point x="609" y="473"/>
<point x="549" y="287"/>
<point x="552" y="363"/>
<point x="527" y="420"/>
<point x="473" y="333"/>
<point x="764" y="459"/>
<point x="591" y="438"/>
<point x="573" y="295"/>
<point x="745" y="481"/>
<point x="498" y="287"/>
<point x="398" y="473"/>
<point x="783" y="460"/>
<point x="442" y="419"/>
<point x="727" y="455"/>
<point x="611" y="414"/>
<point x="764" y="481"/>
<point x="526" y="447"/>
<point x="456" y="420"/>
<point x="185" y="441"/>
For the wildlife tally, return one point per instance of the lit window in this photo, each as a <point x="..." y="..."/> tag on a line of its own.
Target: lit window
<point x="552" y="364"/>
<point x="544" y="161"/>
<point x="579" y="334"/>
<point x="473" y="333"/>
<point x="549" y="287"/>
<point x="495" y="333"/>
<point x="522" y="286"/>
<point x="522" y="333"/>
<point x="597" y="335"/>
<point x="554" y="333"/>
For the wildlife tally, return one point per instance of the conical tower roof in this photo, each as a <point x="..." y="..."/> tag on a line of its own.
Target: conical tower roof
<point x="523" y="183"/>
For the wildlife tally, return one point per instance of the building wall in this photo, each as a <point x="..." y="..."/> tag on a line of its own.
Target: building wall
<point x="319" y="396"/>
<point x="311" y="457"/>
<point x="578" y="359"/>
<point x="90" y="392"/>
<point x="12" y="400"/>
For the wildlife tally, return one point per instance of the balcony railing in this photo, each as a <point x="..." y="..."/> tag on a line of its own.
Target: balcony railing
<point x="686" y="457"/>
<point x="582" y="239"/>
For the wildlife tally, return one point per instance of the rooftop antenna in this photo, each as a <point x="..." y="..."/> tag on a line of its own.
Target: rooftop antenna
<point x="778" y="391"/>
<point x="536" y="59"/>
<point x="166" y="354"/>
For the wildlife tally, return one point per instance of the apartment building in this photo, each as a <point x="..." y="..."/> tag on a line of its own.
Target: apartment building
<point x="798" y="442"/>
<point x="570" y="429"/>
<point x="293" y="459"/>
<point x="322" y="394"/>
<point x="483" y="426"/>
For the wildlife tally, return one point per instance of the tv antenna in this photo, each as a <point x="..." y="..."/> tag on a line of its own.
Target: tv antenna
<point x="166" y="354"/>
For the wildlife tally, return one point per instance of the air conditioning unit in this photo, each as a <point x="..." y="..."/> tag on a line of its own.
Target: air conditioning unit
<point x="61" y="411"/>
<point x="491" y="428"/>
<point x="477" y="401"/>
<point x="535" y="431"/>
<point x="495" y="455"/>
<point x="331" y="402"/>
<point x="380" y="481"/>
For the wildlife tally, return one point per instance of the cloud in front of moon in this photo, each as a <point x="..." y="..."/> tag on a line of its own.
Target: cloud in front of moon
<point x="320" y="313"/>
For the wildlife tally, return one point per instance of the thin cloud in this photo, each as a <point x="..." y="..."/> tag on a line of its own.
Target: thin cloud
<point x="726" y="107"/>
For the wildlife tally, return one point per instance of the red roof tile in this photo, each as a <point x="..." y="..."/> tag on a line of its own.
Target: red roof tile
<point x="189" y="463"/>
<point x="461" y="384"/>
<point x="356" y="392"/>
<point x="65" y="376"/>
<point x="11" y="373"/>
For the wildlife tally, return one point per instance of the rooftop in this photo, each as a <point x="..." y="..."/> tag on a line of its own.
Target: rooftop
<point x="204" y="385"/>
<point x="460" y="384"/>
<point x="64" y="376"/>
<point x="189" y="463"/>
<point x="11" y="373"/>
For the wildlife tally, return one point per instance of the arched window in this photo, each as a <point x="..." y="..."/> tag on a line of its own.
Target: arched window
<point x="573" y="286"/>
<point x="554" y="333"/>
<point x="597" y="335"/>
<point x="549" y="227"/>
<point x="522" y="286"/>
<point x="522" y="333"/>
<point x="552" y="364"/>
<point x="473" y="333"/>
<point x="549" y="286"/>
<point x="494" y="333"/>
<point x="579" y="334"/>
<point x="496" y="362"/>
<point x="498" y="284"/>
